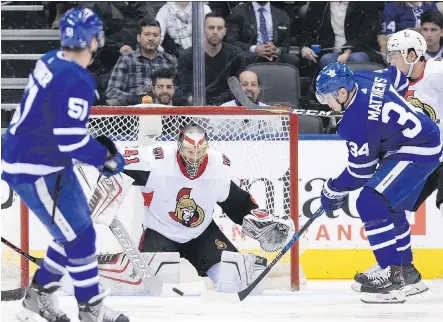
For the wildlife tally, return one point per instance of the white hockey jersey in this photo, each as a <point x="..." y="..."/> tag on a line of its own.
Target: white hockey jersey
<point x="176" y="206"/>
<point x="427" y="91"/>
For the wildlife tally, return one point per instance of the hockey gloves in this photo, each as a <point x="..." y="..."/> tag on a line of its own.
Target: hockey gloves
<point x="332" y="199"/>
<point x="115" y="162"/>
<point x="272" y="232"/>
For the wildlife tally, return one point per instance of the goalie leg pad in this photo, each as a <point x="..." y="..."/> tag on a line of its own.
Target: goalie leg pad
<point x="237" y="271"/>
<point x="117" y="273"/>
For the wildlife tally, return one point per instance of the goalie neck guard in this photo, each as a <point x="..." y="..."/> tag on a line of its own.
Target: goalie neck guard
<point x="192" y="147"/>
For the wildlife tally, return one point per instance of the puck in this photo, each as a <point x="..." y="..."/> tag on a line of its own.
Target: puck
<point x="176" y="290"/>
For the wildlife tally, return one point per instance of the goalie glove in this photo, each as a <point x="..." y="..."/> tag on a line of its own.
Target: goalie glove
<point x="272" y="232"/>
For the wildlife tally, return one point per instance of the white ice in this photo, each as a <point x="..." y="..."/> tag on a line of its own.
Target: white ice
<point x="317" y="301"/>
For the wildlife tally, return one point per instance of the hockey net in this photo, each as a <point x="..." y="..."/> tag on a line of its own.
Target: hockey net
<point x="262" y="149"/>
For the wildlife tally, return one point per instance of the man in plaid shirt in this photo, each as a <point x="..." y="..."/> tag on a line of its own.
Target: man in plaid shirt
<point x="131" y="76"/>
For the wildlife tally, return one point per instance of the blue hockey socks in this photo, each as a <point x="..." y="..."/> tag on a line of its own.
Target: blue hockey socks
<point x="375" y="214"/>
<point x="53" y="266"/>
<point x="82" y="264"/>
<point x="403" y="237"/>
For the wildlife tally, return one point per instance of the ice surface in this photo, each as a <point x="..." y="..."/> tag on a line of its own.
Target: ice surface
<point x="318" y="301"/>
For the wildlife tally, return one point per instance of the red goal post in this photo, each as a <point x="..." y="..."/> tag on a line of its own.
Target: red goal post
<point x="132" y="122"/>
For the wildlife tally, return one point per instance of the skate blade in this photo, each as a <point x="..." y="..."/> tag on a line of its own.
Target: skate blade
<point x="415" y="289"/>
<point x="26" y="315"/>
<point x="393" y="297"/>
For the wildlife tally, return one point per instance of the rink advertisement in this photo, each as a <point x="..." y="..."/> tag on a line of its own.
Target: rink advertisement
<point x="334" y="247"/>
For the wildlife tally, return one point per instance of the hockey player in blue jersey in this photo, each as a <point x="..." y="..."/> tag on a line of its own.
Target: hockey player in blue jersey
<point x="393" y="147"/>
<point x="48" y="131"/>
<point x="406" y="51"/>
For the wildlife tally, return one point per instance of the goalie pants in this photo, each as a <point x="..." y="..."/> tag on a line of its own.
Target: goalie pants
<point x="202" y="252"/>
<point x="72" y="215"/>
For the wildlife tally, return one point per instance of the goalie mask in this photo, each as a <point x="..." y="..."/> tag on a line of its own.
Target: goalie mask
<point x="192" y="147"/>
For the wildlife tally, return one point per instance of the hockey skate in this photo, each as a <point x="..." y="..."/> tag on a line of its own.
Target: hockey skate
<point x="41" y="301"/>
<point x="412" y="277"/>
<point x="95" y="311"/>
<point x="387" y="286"/>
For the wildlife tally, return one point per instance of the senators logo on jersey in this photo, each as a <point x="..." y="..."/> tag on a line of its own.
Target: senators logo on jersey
<point x="417" y="103"/>
<point x="187" y="212"/>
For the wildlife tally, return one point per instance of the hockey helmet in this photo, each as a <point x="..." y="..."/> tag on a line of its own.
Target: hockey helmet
<point x="405" y="41"/>
<point x="192" y="147"/>
<point x="79" y="26"/>
<point x="331" y="78"/>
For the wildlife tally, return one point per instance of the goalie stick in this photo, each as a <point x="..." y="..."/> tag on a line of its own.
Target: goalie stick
<point x="240" y="296"/>
<point x="234" y="86"/>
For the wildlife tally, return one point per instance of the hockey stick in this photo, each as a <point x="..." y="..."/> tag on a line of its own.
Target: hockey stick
<point x="240" y="296"/>
<point x="35" y="260"/>
<point x="18" y="293"/>
<point x="234" y="86"/>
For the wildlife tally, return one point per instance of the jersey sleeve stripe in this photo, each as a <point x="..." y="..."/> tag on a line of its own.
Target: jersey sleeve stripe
<point x="72" y="147"/>
<point x="363" y="165"/>
<point x="359" y="176"/>
<point x="420" y="150"/>
<point x="28" y="168"/>
<point x="70" y="131"/>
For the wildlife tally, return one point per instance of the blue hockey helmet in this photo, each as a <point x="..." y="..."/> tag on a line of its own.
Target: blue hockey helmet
<point x="79" y="26"/>
<point x="333" y="77"/>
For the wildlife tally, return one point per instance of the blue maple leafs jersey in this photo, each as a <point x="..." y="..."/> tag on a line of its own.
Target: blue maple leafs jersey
<point x="379" y="123"/>
<point x="48" y="130"/>
<point x="398" y="18"/>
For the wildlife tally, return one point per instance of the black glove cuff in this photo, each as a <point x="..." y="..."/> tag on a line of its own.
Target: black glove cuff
<point x="105" y="141"/>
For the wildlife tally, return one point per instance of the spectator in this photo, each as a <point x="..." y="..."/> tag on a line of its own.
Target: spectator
<point x="262" y="31"/>
<point x="250" y="84"/>
<point x="175" y="19"/>
<point x="432" y="30"/>
<point x="345" y="31"/>
<point x="400" y="15"/>
<point x="120" y="23"/>
<point x="222" y="61"/>
<point x="163" y="82"/>
<point x="130" y="78"/>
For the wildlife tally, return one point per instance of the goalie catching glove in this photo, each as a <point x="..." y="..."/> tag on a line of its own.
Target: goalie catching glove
<point x="272" y="232"/>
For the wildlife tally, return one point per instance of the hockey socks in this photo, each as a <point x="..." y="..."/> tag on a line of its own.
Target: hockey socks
<point x="53" y="266"/>
<point x="403" y="237"/>
<point x="82" y="265"/>
<point x="375" y="214"/>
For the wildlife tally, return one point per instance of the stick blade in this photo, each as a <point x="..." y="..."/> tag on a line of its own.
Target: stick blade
<point x="13" y="295"/>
